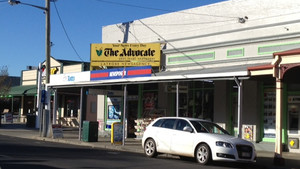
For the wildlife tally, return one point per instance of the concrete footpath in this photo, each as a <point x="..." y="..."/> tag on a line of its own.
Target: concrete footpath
<point x="265" y="152"/>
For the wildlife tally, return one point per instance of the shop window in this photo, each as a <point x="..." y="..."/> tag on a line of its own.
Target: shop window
<point x="132" y="89"/>
<point x="28" y="105"/>
<point x="183" y="102"/>
<point x="71" y="109"/>
<point x="293" y="113"/>
<point x="293" y="87"/>
<point x="269" y="114"/>
<point x="116" y="87"/>
<point x="200" y="100"/>
<point x="203" y="84"/>
<point x="150" y="104"/>
<point x="151" y="86"/>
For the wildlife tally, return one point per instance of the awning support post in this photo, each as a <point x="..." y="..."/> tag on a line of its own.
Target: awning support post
<point x="81" y="107"/>
<point x="278" y="74"/>
<point x="177" y="99"/>
<point x="124" y="114"/>
<point x="239" y="83"/>
<point x="39" y="106"/>
<point x="54" y="107"/>
<point x="47" y="122"/>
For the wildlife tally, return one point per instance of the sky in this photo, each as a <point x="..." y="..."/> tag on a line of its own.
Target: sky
<point x="75" y="24"/>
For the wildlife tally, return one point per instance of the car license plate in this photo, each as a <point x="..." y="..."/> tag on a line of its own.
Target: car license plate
<point x="246" y="154"/>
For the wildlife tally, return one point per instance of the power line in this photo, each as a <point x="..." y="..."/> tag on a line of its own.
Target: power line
<point x="187" y="24"/>
<point x="164" y="10"/>
<point x="175" y="48"/>
<point x="133" y="34"/>
<point x="66" y="32"/>
<point x="120" y="27"/>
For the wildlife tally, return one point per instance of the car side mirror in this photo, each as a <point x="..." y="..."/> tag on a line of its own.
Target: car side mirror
<point x="188" y="129"/>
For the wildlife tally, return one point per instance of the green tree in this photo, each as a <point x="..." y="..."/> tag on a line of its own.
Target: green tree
<point x="5" y="84"/>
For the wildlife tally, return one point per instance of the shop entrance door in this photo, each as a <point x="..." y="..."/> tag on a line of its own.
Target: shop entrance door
<point x="294" y="123"/>
<point x="294" y="115"/>
<point x="132" y="109"/>
<point x="294" y="119"/>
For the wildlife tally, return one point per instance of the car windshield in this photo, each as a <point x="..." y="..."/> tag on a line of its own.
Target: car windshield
<point x="208" y="127"/>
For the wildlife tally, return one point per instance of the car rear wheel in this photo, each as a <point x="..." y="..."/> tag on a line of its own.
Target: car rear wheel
<point x="150" y="148"/>
<point x="203" y="154"/>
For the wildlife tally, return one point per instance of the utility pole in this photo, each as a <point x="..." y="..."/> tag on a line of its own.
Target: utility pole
<point x="46" y="10"/>
<point x="48" y="46"/>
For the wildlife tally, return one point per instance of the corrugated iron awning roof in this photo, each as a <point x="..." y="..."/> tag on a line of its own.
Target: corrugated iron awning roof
<point x="23" y="90"/>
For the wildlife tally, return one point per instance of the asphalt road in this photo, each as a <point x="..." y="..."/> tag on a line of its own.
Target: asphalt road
<point x="17" y="153"/>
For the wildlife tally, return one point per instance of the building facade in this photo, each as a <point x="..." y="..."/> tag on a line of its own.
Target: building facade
<point x="218" y="62"/>
<point x="24" y="96"/>
<point x="207" y="42"/>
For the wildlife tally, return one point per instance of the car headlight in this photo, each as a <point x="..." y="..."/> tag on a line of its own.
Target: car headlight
<point x="223" y="144"/>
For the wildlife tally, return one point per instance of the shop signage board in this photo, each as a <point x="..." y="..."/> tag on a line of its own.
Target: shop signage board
<point x="9" y="118"/>
<point x="293" y="143"/>
<point x="114" y="111"/>
<point x="125" y="54"/>
<point x="117" y="133"/>
<point x="110" y="93"/>
<point x="294" y="99"/>
<point x="249" y="132"/>
<point x="57" y="131"/>
<point x="119" y="73"/>
<point x="70" y="78"/>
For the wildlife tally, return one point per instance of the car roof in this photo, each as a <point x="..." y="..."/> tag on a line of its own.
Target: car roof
<point x="186" y="118"/>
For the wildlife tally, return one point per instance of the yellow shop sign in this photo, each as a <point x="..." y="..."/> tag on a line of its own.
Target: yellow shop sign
<point x="125" y="54"/>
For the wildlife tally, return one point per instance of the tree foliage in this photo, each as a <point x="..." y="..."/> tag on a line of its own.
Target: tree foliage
<point x="5" y="84"/>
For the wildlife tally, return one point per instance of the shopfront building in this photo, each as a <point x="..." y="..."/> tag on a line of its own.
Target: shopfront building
<point x="226" y="73"/>
<point x="205" y="51"/>
<point x="281" y="98"/>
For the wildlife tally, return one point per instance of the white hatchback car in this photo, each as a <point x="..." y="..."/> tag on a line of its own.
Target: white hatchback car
<point x="190" y="137"/>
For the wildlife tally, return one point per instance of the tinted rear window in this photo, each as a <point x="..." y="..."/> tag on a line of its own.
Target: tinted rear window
<point x="168" y="123"/>
<point x="158" y="123"/>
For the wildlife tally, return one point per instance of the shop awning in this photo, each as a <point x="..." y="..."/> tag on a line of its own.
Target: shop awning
<point x="227" y="72"/>
<point x="200" y="73"/>
<point x="23" y="90"/>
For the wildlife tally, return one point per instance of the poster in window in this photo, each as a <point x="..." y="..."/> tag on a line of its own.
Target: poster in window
<point x="150" y="103"/>
<point x="114" y="112"/>
<point x="269" y="114"/>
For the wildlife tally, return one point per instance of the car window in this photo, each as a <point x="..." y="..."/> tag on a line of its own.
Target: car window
<point x="213" y="128"/>
<point x="181" y="124"/>
<point x="208" y="127"/>
<point x="168" y="123"/>
<point x="199" y="128"/>
<point x="158" y="123"/>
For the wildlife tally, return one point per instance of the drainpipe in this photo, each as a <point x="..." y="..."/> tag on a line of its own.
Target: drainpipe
<point x="239" y="83"/>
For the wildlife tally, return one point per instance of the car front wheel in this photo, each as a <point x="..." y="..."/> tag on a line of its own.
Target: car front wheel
<point x="150" y="148"/>
<point x="203" y="154"/>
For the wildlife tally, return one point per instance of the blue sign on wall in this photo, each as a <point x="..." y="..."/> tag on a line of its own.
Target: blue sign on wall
<point x="119" y="73"/>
